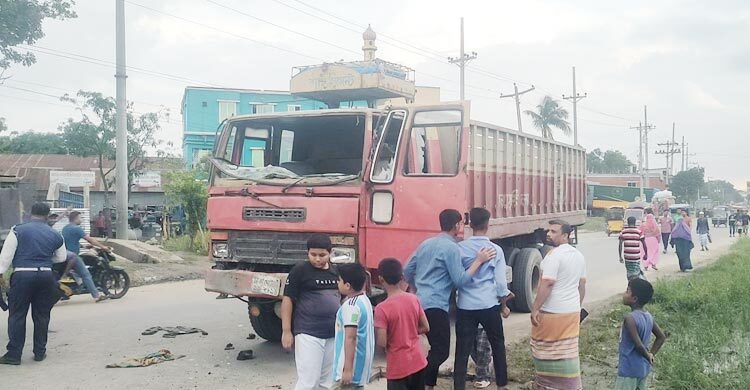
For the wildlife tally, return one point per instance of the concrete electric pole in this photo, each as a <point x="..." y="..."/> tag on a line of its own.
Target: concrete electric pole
<point x="640" y="156"/>
<point x="670" y="149"/>
<point x="121" y="158"/>
<point x="646" y="129"/>
<point x="575" y="98"/>
<point x="682" y="155"/>
<point x="462" y="60"/>
<point x="517" y="96"/>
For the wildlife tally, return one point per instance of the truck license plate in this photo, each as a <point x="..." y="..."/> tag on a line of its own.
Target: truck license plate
<point x="267" y="285"/>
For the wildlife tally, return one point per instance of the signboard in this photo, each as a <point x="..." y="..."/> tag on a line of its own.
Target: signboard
<point x="148" y="179"/>
<point x="73" y="178"/>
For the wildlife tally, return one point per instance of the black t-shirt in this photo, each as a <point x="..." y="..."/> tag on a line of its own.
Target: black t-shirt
<point x="316" y="299"/>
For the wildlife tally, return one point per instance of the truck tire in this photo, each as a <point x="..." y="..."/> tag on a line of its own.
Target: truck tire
<point x="267" y="324"/>
<point x="526" y="275"/>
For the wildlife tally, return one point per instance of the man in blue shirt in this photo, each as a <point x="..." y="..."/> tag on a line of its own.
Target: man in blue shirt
<point x="73" y="233"/>
<point x="435" y="269"/>
<point x="481" y="301"/>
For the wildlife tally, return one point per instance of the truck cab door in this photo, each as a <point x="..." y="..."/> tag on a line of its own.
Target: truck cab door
<point x="418" y="169"/>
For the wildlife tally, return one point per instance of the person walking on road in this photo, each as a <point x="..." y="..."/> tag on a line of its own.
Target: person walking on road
<point x="702" y="229"/>
<point x="666" y="224"/>
<point x="653" y="239"/>
<point x="31" y="248"/>
<point x="483" y="301"/>
<point x="435" y="269"/>
<point x="682" y="240"/>
<point x="556" y="313"/>
<point x="632" y="248"/>
<point x="732" y="222"/>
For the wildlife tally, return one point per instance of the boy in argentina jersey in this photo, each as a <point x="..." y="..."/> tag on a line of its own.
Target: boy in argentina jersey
<point x="354" y="344"/>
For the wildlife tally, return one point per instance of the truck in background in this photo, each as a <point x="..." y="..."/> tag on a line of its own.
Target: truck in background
<point x="375" y="181"/>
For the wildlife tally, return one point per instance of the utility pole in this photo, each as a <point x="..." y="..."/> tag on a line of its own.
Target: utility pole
<point x="670" y="149"/>
<point x="682" y="155"/>
<point x="640" y="157"/>
<point x="575" y="98"/>
<point x="121" y="146"/>
<point x="462" y="60"/>
<point x="517" y="96"/>
<point x="646" y="129"/>
<point x="671" y="159"/>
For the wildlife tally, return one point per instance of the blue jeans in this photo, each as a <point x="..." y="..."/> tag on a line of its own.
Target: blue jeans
<point x="84" y="273"/>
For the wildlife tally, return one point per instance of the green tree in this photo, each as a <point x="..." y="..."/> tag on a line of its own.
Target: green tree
<point x="722" y="191"/>
<point x="93" y="135"/>
<point x="595" y="161"/>
<point x="688" y="185"/>
<point x="3" y="126"/>
<point x="33" y="143"/>
<point x="184" y="189"/>
<point x="549" y="114"/>
<point x="611" y="161"/>
<point x="21" y="23"/>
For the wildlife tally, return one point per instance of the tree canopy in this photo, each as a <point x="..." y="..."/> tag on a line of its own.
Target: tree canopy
<point x="610" y="161"/>
<point x="722" y="191"/>
<point x="549" y="114"/>
<point x="21" y="23"/>
<point x="33" y="143"/>
<point x="688" y="185"/>
<point x="184" y="188"/>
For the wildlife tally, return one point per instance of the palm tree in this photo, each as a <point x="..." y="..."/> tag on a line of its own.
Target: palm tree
<point x="550" y="115"/>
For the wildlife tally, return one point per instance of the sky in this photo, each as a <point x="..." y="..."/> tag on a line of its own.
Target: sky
<point x="688" y="61"/>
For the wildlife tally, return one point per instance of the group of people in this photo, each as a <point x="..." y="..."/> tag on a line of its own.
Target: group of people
<point x="334" y="341"/>
<point x="31" y="249"/>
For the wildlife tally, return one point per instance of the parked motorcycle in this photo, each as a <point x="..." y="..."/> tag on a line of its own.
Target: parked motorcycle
<point x="111" y="280"/>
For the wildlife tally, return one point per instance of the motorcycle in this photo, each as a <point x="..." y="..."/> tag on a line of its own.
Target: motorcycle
<point x="109" y="279"/>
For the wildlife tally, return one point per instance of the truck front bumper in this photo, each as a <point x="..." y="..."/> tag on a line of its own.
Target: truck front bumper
<point x="240" y="283"/>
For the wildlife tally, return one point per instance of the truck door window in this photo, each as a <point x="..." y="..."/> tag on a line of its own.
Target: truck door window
<point x="229" y="150"/>
<point x="434" y="143"/>
<point x="385" y="157"/>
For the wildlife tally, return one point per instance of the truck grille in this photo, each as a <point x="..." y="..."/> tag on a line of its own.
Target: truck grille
<point x="273" y="214"/>
<point x="268" y="247"/>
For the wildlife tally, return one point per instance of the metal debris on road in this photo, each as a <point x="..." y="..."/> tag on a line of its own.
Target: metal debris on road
<point x="251" y="336"/>
<point x="245" y="355"/>
<point x="164" y="355"/>
<point x="172" y="332"/>
<point x="229" y="347"/>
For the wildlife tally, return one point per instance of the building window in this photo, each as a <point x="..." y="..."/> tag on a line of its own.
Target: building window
<point x="632" y="184"/>
<point x="262" y="108"/>
<point x="204" y="104"/>
<point x="227" y="109"/>
<point x="293" y="107"/>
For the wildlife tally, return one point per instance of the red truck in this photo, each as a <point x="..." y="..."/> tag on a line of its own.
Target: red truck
<point x="375" y="181"/>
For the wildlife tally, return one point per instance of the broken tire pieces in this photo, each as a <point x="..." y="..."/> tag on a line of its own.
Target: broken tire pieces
<point x="172" y="332"/>
<point x="245" y="355"/>
<point x="164" y="355"/>
<point x="251" y="336"/>
<point x="229" y="347"/>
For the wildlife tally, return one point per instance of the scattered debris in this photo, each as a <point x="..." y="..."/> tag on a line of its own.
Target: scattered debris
<point x="245" y="355"/>
<point x="162" y="356"/>
<point x="172" y="332"/>
<point x="229" y="347"/>
<point x="251" y="336"/>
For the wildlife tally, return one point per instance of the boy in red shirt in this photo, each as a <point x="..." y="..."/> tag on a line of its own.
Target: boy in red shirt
<point x="399" y="320"/>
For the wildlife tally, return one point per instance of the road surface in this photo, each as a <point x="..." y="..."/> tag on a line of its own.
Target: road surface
<point x="86" y="336"/>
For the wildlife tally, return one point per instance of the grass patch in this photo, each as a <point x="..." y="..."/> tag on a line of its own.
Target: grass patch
<point x="594" y="224"/>
<point x="707" y="317"/>
<point x="197" y="244"/>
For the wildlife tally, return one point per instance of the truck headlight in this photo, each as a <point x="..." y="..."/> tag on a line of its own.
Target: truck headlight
<point x="343" y="255"/>
<point x="220" y="249"/>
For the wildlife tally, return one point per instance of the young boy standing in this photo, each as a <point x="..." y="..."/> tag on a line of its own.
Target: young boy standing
<point x="355" y="335"/>
<point x="399" y="320"/>
<point x="311" y="298"/>
<point x="635" y="359"/>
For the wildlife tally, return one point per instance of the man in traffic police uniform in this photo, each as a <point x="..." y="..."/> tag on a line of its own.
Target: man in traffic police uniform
<point x="31" y="248"/>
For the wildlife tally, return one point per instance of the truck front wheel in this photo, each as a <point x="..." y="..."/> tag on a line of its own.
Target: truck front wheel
<point x="526" y="275"/>
<point x="264" y="320"/>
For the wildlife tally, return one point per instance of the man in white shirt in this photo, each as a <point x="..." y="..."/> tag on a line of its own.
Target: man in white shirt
<point x="31" y="248"/>
<point x="555" y="316"/>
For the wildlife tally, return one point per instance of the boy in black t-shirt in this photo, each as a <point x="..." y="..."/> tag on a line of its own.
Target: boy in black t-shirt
<point x="308" y="315"/>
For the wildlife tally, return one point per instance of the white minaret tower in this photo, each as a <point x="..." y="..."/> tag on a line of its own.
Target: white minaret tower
<point x="369" y="47"/>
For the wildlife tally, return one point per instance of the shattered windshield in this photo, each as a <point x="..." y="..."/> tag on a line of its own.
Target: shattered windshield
<point x="285" y="150"/>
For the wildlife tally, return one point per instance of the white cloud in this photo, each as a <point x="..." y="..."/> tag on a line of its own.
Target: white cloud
<point x="699" y="97"/>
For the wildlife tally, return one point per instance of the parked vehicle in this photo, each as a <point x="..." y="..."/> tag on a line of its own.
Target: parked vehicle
<point x="375" y="181"/>
<point x="614" y="216"/>
<point x="111" y="280"/>
<point x="720" y="215"/>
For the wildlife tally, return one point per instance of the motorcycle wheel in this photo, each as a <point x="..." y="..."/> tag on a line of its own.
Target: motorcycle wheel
<point x="115" y="283"/>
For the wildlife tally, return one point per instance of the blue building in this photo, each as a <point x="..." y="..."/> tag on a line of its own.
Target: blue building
<point x="204" y="108"/>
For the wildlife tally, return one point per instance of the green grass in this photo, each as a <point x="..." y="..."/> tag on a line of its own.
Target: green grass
<point x="594" y="224"/>
<point x="706" y="316"/>
<point x="183" y="244"/>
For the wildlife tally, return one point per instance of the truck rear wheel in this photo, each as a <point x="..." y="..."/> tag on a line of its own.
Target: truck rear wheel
<point x="266" y="323"/>
<point x="526" y="275"/>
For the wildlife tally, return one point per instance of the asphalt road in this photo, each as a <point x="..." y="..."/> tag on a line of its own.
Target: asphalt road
<point x="84" y="336"/>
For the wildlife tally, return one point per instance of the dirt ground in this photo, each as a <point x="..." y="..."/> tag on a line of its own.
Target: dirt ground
<point x="192" y="267"/>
